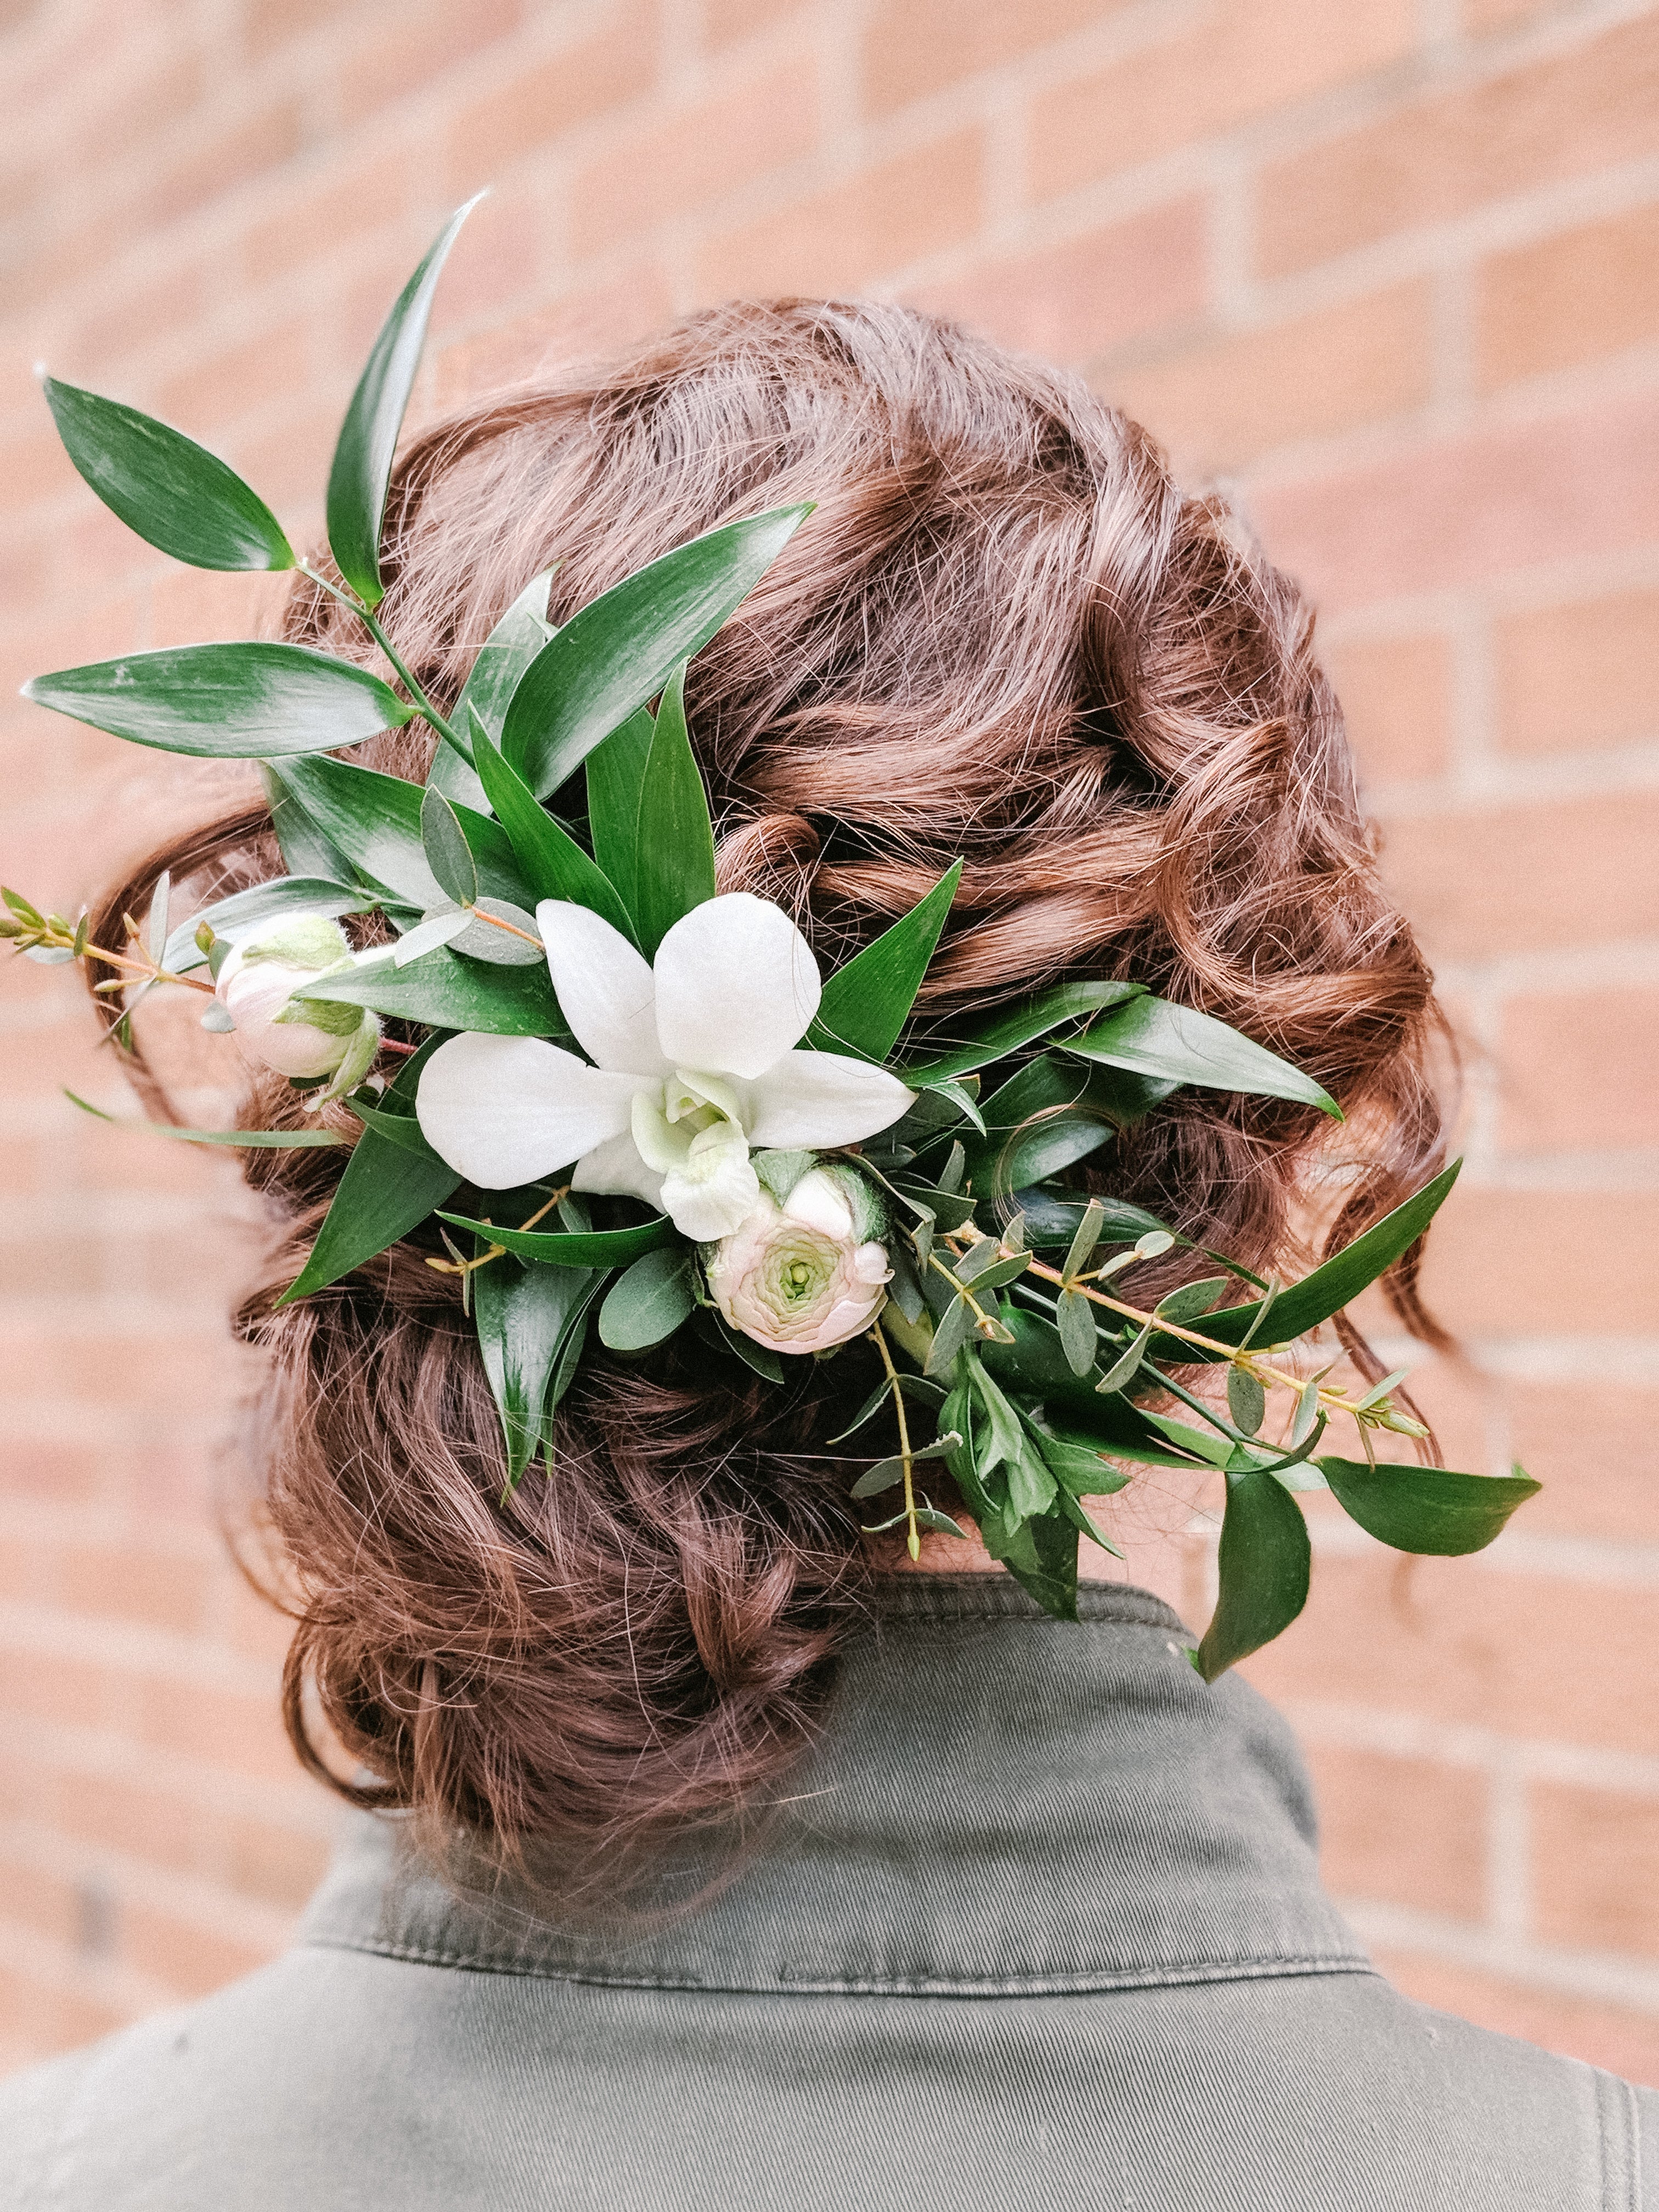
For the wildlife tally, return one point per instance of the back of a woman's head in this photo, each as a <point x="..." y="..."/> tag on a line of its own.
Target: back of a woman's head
<point x="1002" y="634"/>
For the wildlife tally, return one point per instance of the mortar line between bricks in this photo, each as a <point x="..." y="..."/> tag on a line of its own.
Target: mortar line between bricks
<point x="1597" y="1975"/>
<point x="1350" y="1726"/>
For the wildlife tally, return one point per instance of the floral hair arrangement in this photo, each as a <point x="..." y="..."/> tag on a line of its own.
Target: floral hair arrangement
<point x="606" y="1096"/>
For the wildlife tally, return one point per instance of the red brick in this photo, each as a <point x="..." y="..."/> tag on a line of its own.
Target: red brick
<point x="125" y="1583"/>
<point x="1597" y="1855"/>
<point x="727" y="22"/>
<point x="1591" y="1446"/>
<point x="276" y="1865"/>
<point x="1580" y="675"/>
<point x="1580" y="1072"/>
<point x="912" y="49"/>
<point x="1623" y="2042"/>
<point x="1408" y="1830"/>
<point x="1547" y="120"/>
<point x="1219" y="405"/>
<point x="534" y="106"/>
<point x="1511" y="1263"/>
<point x="230" y="1729"/>
<point x="1224" y="67"/>
<point x="188" y="1958"/>
<point x="1521" y="879"/>
<point x="252" y="149"/>
<point x="852" y="235"/>
<point x="1461" y="1641"/>
<point x="1462" y="511"/>
<point x="1396" y="694"/>
<point x="1076" y="301"/>
<point x="399" y="56"/>
<point x="1572" y="298"/>
<point x="143" y="1820"/>
<point x="672" y="164"/>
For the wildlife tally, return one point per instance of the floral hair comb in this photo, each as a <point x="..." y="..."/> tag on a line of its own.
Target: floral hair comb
<point x="602" y="1095"/>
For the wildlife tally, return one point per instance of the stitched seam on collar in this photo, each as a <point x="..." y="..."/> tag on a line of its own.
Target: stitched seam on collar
<point x="942" y="1598"/>
<point x="1198" y="1972"/>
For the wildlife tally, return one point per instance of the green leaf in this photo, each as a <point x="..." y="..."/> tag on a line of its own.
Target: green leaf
<point x="646" y="1306"/>
<point x="1082" y="1247"/>
<point x="1153" y="1037"/>
<point x="397" y="1128"/>
<point x="252" y="1141"/>
<point x="914" y="1386"/>
<point x="1192" y="1301"/>
<point x="252" y="700"/>
<point x="867" y="1003"/>
<point x="1247" y="1402"/>
<point x="572" y="1346"/>
<point x="375" y="821"/>
<point x="715" y="1331"/>
<point x="674" y="841"/>
<point x="1124" y="1369"/>
<point x="172" y="491"/>
<point x="555" y="865"/>
<point x="949" y="1337"/>
<point x="886" y="1472"/>
<point x="1067" y="1507"/>
<point x="1035" y="1366"/>
<point x="1426" y="1508"/>
<point x="1042" y="1559"/>
<point x="1066" y="1002"/>
<point x="522" y="1315"/>
<point x="501" y="660"/>
<point x="957" y="1095"/>
<point x="386" y="1191"/>
<point x="283" y="895"/>
<point x="621" y="649"/>
<point x="305" y="850"/>
<point x="447" y="854"/>
<point x="361" y="467"/>
<point x="1078" y="1335"/>
<point x="1264" y="1565"/>
<point x="446" y="991"/>
<point x="1304" y="1305"/>
<point x="615" y="778"/>
<point x="1078" y="1468"/>
<point x="599" y="1248"/>
<point x="1051" y="1222"/>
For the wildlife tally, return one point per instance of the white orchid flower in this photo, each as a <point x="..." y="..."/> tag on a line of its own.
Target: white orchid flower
<point x="693" y="1064"/>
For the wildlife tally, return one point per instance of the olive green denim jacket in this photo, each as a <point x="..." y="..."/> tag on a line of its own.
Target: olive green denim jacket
<point x="1039" y="1925"/>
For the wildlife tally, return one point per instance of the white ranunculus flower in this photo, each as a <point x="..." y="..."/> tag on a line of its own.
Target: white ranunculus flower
<point x="693" y="1063"/>
<point x="257" y="981"/>
<point x="796" y="1278"/>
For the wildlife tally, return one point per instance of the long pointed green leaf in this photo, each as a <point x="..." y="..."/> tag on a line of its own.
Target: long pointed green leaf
<point x="251" y="1140"/>
<point x="615" y="779"/>
<point x="446" y="991"/>
<point x="252" y="700"/>
<point x="172" y="491"/>
<point x="522" y="1315"/>
<point x="305" y="850"/>
<point x="1151" y="1036"/>
<point x="386" y="1191"/>
<point x="1426" y="1508"/>
<point x="1264" y="1560"/>
<point x="555" y="865"/>
<point x="599" y="1247"/>
<point x="1304" y="1305"/>
<point x="621" y="649"/>
<point x="674" y="843"/>
<point x="502" y="658"/>
<point x="1066" y="1002"/>
<point x="867" y="1003"/>
<point x="375" y="821"/>
<point x="361" y="467"/>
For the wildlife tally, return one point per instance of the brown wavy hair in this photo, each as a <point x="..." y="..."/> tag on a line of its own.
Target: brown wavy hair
<point x="1004" y="633"/>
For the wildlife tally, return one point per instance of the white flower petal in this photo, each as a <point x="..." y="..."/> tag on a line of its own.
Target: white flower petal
<point x="254" y="994"/>
<point x="714" y="1190"/>
<point x="504" y="1110"/>
<point x="818" y="1200"/>
<point x="737" y="985"/>
<point x="815" y="1099"/>
<point x="616" y="1170"/>
<point x="604" y="989"/>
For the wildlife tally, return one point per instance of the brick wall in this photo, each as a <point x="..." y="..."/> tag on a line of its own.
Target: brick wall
<point x="1386" y="270"/>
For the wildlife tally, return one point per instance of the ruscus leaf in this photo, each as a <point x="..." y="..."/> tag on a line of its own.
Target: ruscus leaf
<point x="554" y="863"/>
<point x="1151" y="1036"/>
<point x="501" y="660"/>
<point x="447" y="854"/>
<point x="522" y="1315"/>
<point x="1426" y="1508"/>
<point x="1264" y="1564"/>
<point x="674" y="839"/>
<point x="361" y="467"/>
<point x="867" y="1003"/>
<point x="601" y="1247"/>
<point x="173" y="492"/>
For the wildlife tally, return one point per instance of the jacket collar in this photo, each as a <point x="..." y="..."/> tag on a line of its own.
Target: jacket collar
<point x="1000" y="1804"/>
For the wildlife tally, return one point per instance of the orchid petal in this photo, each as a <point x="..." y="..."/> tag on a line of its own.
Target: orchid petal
<point x="604" y="989"/>
<point x="737" y="986"/>
<point x="615" y="1169"/>
<point x="503" y="1111"/>
<point x="816" y="1099"/>
<point x="714" y="1190"/>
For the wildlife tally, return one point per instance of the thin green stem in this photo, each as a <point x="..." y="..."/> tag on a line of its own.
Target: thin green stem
<point x="371" y="624"/>
<point x="912" y="1534"/>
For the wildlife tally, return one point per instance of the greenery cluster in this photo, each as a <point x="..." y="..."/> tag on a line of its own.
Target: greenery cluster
<point x="1009" y="1350"/>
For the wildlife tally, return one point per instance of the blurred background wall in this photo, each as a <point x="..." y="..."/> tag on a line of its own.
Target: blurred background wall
<point x="1388" y="270"/>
